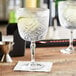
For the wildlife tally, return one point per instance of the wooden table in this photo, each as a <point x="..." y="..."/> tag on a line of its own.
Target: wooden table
<point x="64" y="65"/>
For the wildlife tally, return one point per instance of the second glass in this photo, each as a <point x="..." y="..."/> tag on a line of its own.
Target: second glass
<point x="67" y="18"/>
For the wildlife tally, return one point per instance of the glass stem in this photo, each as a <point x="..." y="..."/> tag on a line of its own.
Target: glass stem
<point x="32" y="47"/>
<point x="71" y="39"/>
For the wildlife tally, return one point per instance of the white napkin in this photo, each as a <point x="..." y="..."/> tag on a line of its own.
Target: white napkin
<point x="24" y="66"/>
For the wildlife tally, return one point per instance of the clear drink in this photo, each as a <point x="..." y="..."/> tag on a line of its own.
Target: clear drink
<point x="67" y="18"/>
<point x="33" y="26"/>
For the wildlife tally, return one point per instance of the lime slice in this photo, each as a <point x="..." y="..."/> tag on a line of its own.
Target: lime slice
<point x="28" y="24"/>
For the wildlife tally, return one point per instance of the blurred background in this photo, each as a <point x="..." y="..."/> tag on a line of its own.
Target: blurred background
<point x="9" y="7"/>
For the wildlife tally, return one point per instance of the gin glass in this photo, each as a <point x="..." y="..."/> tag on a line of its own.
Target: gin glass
<point x="67" y="18"/>
<point x="33" y="26"/>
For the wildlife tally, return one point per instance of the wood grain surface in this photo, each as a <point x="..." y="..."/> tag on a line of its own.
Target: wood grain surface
<point x="63" y="65"/>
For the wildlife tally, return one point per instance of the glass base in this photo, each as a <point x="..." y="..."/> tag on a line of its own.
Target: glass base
<point x="68" y="50"/>
<point x="35" y="66"/>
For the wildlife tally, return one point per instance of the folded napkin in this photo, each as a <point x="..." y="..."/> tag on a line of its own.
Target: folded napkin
<point x="24" y="66"/>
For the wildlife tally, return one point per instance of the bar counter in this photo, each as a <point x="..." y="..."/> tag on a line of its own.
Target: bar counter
<point x="63" y="65"/>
